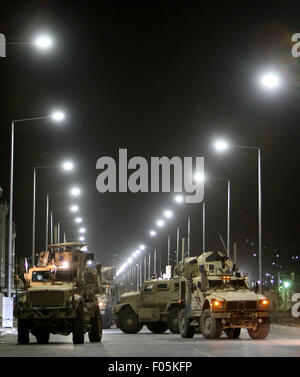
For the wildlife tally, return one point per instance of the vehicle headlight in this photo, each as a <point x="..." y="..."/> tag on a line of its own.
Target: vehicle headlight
<point x="264" y="304"/>
<point x="102" y="304"/>
<point x="217" y="304"/>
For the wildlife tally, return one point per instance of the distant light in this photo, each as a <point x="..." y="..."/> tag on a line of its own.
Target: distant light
<point x="82" y="230"/>
<point x="152" y="233"/>
<point x="277" y="256"/>
<point x="160" y="223"/>
<point x="129" y="260"/>
<point x="74" y="208"/>
<point x="58" y="116"/>
<point x="75" y="191"/>
<point x="89" y="262"/>
<point x="286" y="284"/>
<point x="68" y="166"/>
<point x="221" y="145"/>
<point x="78" y="220"/>
<point x="138" y="251"/>
<point x="270" y="80"/>
<point x="65" y="264"/>
<point x="142" y="247"/>
<point x="43" y="42"/>
<point x="168" y="214"/>
<point x="81" y="238"/>
<point x="273" y="263"/>
<point x="254" y="255"/>
<point x="179" y="199"/>
<point x="199" y="177"/>
<point x="272" y="281"/>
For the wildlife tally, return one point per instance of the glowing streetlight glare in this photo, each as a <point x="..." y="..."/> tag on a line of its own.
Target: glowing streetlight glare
<point x="81" y="238"/>
<point x="74" y="208"/>
<point x="58" y="116"/>
<point x="179" y="199"/>
<point x="168" y="213"/>
<point x="129" y="260"/>
<point x="160" y="223"/>
<point x="199" y="177"/>
<point x="142" y="247"/>
<point x="75" y="191"/>
<point x="43" y="42"/>
<point x="68" y="165"/>
<point x="152" y="233"/>
<point x="78" y="220"/>
<point x="82" y="230"/>
<point x="270" y="80"/>
<point x="221" y="145"/>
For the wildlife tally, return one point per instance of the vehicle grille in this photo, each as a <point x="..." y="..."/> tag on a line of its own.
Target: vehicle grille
<point x="46" y="298"/>
<point x="241" y="305"/>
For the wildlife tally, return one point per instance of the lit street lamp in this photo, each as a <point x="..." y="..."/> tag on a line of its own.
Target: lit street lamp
<point x="257" y="149"/>
<point x="10" y="236"/>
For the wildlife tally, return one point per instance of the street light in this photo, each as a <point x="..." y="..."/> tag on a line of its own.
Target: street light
<point x="153" y="233"/>
<point x="270" y="80"/>
<point x="74" y="208"/>
<point x="43" y="42"/>
<point x="179" y="199"/>
<point x="75" y="191"/>
<point x="82" y="230"/>
<point x="81" y="238"/>
<point x="10" y="236"/>
<point x="168" y="214"/>
<point x="257" y="149"/>
<point x="160" y="223"/>
<point x="78" y="220"/>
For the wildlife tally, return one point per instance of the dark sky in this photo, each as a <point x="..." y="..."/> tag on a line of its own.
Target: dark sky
<point x="157" y="78"/>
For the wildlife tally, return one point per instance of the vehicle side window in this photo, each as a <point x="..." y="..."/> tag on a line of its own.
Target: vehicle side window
<point x="199" y="285"/>
<point x="148" y="289"/>
<point x="176" y="286"/>
<point x="211" y="267"/>
<point x="162" y="286"/>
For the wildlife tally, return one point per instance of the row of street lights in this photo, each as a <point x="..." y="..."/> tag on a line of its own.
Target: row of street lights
<point x="42" y="42"/>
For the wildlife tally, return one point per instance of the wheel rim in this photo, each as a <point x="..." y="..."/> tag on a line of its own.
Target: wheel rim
<point x="207" y="325"/>
<point x="129" y="322"/>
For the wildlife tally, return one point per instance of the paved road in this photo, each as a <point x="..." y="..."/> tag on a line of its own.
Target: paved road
<point x="281" y="342"/>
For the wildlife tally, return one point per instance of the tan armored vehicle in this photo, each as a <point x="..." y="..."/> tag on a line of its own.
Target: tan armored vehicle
<point x="61" y="297"/>
<point x="109" y="296"/>
<point x="215" y="297"/>
<point x="156" y="306"/>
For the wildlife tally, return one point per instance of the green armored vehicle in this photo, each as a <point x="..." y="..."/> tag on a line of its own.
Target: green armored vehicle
<point x="60" y="297"/>
<point x="156" y="306"/>
<point x="215" y="297"/>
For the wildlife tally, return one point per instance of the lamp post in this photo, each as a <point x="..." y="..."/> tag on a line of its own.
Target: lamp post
<point x="222" y="146"/>
<point x="57" y="116"/>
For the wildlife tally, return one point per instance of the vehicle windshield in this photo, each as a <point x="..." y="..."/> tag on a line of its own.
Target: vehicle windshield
<point x="41" y="276"/>
<point x="232" y="284"/>
<point x="65" y="275"/>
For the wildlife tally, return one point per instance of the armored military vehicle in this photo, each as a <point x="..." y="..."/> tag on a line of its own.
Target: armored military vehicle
<point x="156" y="306"/>
<point x="109" y="296"/>
<point x="60" y="297"/>
<point x="216" y="297"/>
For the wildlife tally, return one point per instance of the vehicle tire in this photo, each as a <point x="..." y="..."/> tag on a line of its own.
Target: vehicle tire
<point x="129" y="322"/>
<point x="211" y="328"/>
<point x="118" y="321"/>
<point x="186" y="331"/>
<point x="78" y="326"/>
<point x="173" y="321"/>
<point x="262" y="330"/>
<point x="42" y="337"/>
<point x="233" y="333"/>
<point x="23" y="331"/>
<point x="95" y="335"/>
<point x="157" y="327"/>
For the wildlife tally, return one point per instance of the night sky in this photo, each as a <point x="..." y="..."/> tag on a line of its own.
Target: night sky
<point x="160" y="79"/>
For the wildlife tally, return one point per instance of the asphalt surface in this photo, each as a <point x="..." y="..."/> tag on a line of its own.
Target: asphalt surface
<point x="280" y="342"/>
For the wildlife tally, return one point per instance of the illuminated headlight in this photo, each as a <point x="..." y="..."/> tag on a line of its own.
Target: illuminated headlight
<point x="217" y="304"/>
<point x="65" y="264"/>
<point x="102" y="304"/>
<point x="264" y="304"/>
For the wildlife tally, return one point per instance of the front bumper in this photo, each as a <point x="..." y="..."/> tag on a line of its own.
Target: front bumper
<point x="51" y="313"/>
<point x="241" y="320"/>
